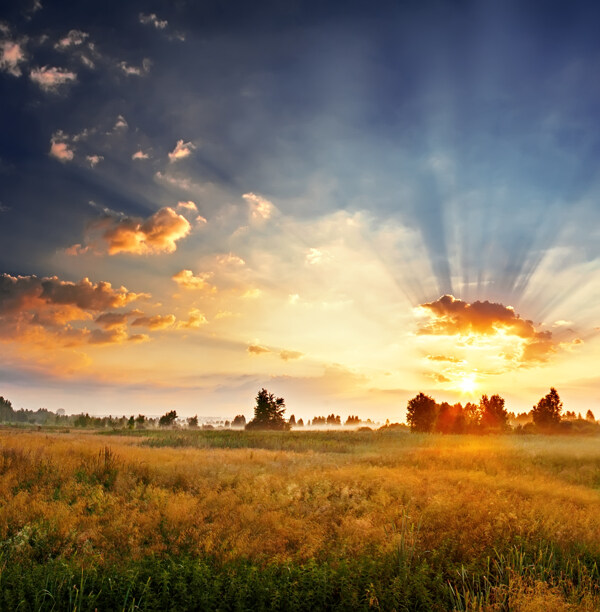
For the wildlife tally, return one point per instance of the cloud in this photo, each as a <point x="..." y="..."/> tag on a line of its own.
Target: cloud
<point x="229" y="259"/>
<point x="287" y="355"/>
<point x="188" y="206"/>
<point x="187" y="280"/>
<point x="140" y="155"/>
<point x="108" y="336"/>
<point x="116" y="233"/>
<point x="260" y="208"/>
<point x="255" y="349"/>
<point x="121" y="123"/>
<point x="11" y="56"/>
<point x="94" y="160"/>
<point x="449" y="316"/>
<point x="73" y="39"/>
<point x="251" y="294"/>
<point x="130" y="70"/>
<point x="44" y="310"/>
<point x="152" y="19"/>
<point x="181" y="151"/>
<point x="60" y="148"/>
<point x="50" y="79"/>
<point x="195" y="320"/>
<point x="154" y="322"/>
<point x="111" y="320"/>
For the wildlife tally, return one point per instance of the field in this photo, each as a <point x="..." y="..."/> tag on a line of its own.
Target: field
<point x="298" y="520"/>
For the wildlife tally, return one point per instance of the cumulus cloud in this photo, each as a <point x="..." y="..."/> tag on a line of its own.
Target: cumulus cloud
<point x="40" y="309"/>
<point x="121" y="123"/>
<point x="50" y="79"/>
<point x="74" y="38"/>
<point x="60" y="148"/>
<point x="154" y="322"/>
<point x="115" y="234"/>
<point x="187" y="280"/>
<point x="449" y="316"/>
<point x="260" y="208"/>
<point x="181" y="151"/>
<point x="152" y="19"/>
<point x="11" y="56"/>
<point x="140" y="155"/>
<point x="195" y="320"/>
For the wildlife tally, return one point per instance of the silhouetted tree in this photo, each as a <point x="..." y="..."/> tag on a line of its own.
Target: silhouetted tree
<point x="131" y="422"/>
<point x="292" y="421"/>
<point x="450" y="419"/>
<point x="193" y="422"/>
<point x="167" y="419"/>
<point x="352" y="420"/>
<point x="421" y="413"/>
<point x="140" y="421"/>
<point x="239" y="421"/>
<point x="589" y="416"/>
<point x="300" y="423"/>
<point x="319" y="420"/>
<point x="493" y="413"/>
<point x="268" y="412"/>
<point x="546" y="414"/>
<point x="333" y="419"/>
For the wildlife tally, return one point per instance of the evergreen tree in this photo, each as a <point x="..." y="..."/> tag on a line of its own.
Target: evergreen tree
<point x="268" y="412"/>
<point x="546" y="414"/>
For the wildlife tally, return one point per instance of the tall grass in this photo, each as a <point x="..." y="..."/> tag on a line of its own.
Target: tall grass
<point x="307" y="520"/>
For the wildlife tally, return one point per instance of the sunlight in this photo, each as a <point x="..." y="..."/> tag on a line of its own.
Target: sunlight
<point x="467" y="384"/>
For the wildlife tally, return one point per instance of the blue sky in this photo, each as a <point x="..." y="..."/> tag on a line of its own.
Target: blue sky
<point x="347" y="164"/>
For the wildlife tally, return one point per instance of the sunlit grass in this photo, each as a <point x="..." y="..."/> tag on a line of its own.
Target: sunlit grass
<point x="450" y="504"/>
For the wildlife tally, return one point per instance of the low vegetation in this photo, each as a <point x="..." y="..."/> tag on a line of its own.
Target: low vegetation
<point x="192" y="519"/>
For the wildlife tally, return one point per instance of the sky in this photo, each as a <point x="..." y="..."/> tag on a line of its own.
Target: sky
<point x="347" y="203"/>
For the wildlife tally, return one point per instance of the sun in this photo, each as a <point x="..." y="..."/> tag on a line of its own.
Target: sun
<point x="467" y="384"/>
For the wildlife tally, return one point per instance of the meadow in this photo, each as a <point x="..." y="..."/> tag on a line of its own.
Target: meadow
<point x="348" y="520"/>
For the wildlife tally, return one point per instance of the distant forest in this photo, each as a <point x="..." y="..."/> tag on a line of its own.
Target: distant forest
<point x="423" y="414"/>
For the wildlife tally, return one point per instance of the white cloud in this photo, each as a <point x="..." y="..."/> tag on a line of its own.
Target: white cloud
<point x="140" y="155"/>
<point x="182" y="150"/>
<point x="51" y="78"/>
<point x="11" y="55"/>
<point x="152" y="19"/>
<point x="189" y="205"/>
<point x="121" y="123"/>
<point x="136" y="70"/>
<point x="94" y="160"/>
<point x="73" y="39"/>
<point x="260" y="207"/>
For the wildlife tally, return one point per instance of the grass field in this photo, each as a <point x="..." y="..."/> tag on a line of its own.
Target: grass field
<point x="298" y="520"/>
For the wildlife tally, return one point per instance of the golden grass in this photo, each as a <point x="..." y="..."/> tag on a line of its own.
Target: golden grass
<point x="460" y="496"/>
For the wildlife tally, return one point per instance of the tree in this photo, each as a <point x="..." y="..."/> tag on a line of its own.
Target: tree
<point x="421" y="413"/>
<point x="300" y="423"/>
<point x="268" y="412"/>
<point x="546" y="414"/>
<point x="493" y="413"/>
<point x="141" y="421"/>
<point x="589" y="416"/>
<point x="131" y="422"/>
<point x="193" y="422"/>
<point x="292" y="421"/>
<point x="239" y="421"/>
<point x="168" y="419"/>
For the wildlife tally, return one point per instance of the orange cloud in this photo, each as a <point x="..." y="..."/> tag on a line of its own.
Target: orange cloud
<point x="43" y="310"/>
<point x="187" y="280"/>
<point x="59" y="147"/>
<point x="449" y="316"/>
<point x="182" y="150"/>
<point x="287" y="355"/>
<point x="154" y="322"/>
<point x="114" y="234"/>
<point x="50" y="78"/>
<point x="255" y="349"/>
